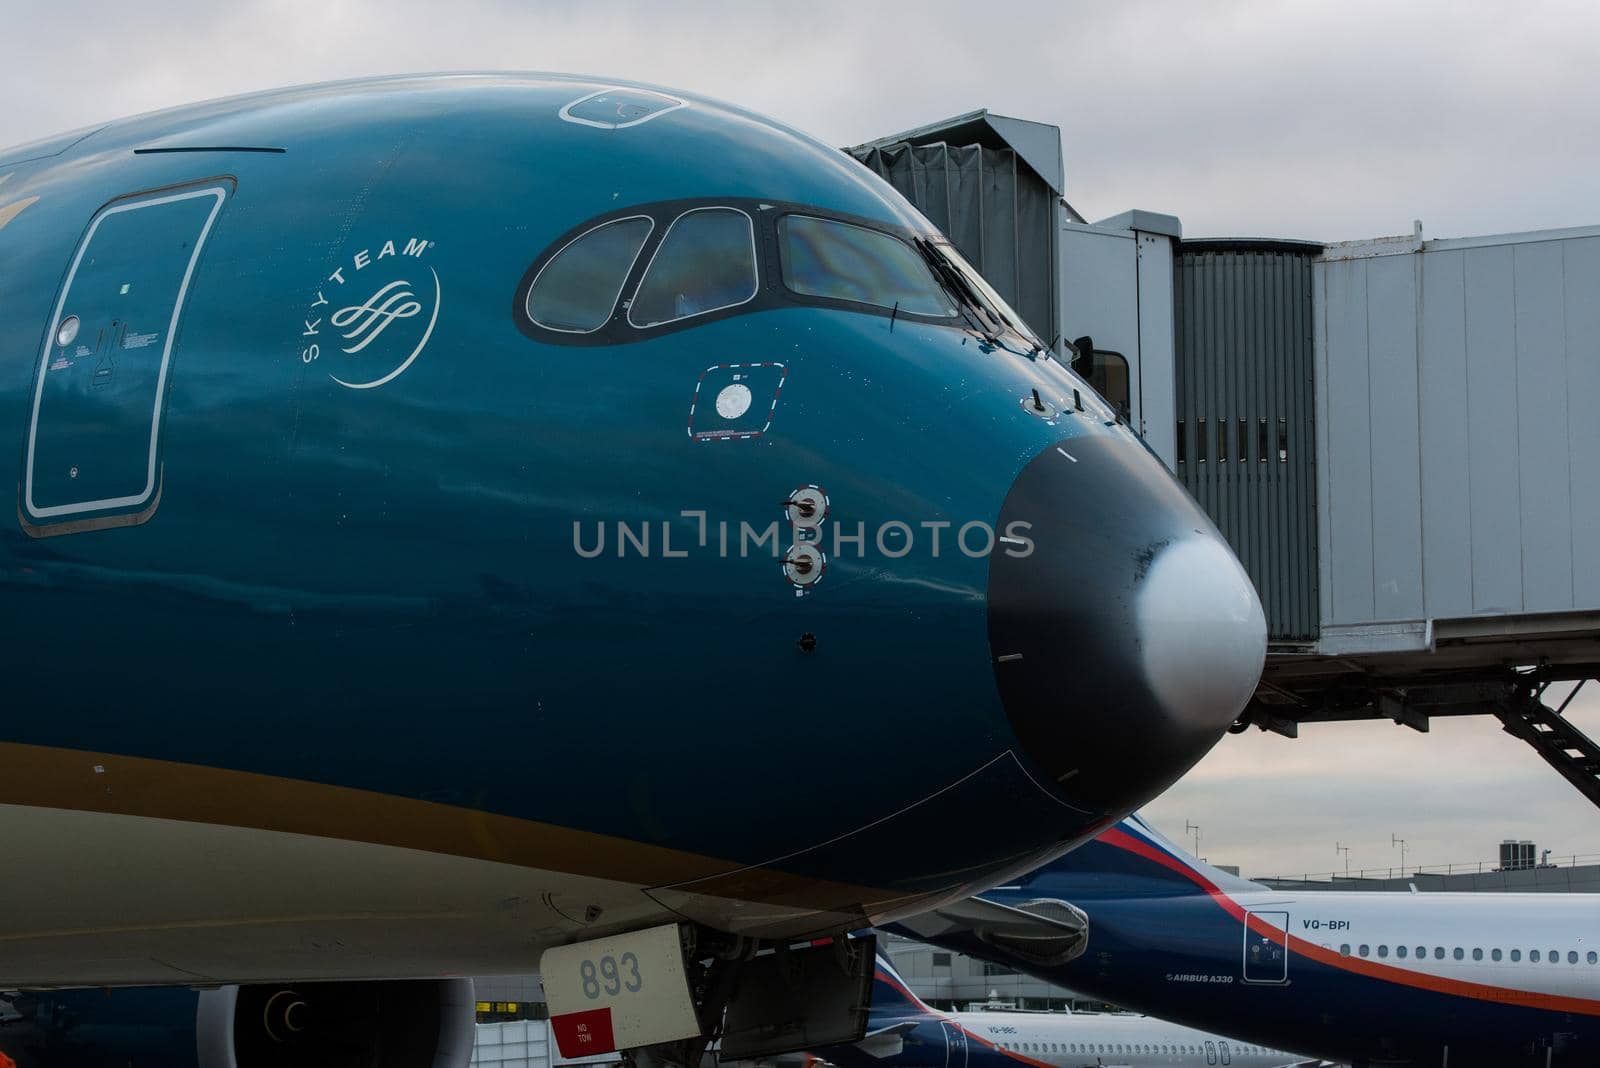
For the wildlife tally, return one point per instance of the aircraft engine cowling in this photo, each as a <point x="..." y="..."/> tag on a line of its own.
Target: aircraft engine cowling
<point x="426" y="1023"/>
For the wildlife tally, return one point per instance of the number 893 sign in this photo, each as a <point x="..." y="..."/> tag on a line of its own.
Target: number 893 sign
<point x="623" y="992"/>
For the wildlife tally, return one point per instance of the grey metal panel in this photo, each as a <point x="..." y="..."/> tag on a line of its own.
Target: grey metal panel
<point x="1482" y="365"/>
<point x="1541" y="372"/>
<point x="1155" y="400"/>
<point x="1446" y="498"/>
<point x="1492" y="459"/>
<point x="1243" y="363"/>
<point x="1582" y="325"/>
<point x="1099" y="276"/>
<point x="1346" y="468"/>
<point x="1395" y="442"/>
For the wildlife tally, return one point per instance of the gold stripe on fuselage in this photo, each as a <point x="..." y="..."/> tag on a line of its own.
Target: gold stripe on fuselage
<point x="49" y="777"/>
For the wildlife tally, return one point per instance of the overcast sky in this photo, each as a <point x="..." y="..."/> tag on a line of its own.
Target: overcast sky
<point x="1335" y="121"/>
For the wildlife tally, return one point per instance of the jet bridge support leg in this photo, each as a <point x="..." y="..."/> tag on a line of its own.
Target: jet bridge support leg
<point x="1562" y="745"/>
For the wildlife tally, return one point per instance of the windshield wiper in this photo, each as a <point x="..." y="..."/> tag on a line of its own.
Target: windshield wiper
<point x="957" y="287"/>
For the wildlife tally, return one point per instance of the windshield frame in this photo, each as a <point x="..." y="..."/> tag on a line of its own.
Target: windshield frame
<point x="997" y="305"/>
<point x="772" y="291"/>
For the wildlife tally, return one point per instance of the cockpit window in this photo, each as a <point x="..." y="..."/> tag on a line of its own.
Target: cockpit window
<point x="706" y="261"/>
<point x="576" y="291"/>
<point x="840" y="261"/>
<point x="996" y="303"/>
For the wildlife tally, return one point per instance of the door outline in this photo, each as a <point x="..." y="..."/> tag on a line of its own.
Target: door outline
<point x="1277" y="920"/>
<point x="134" y="204"/>
<point x="955" y="1045"/>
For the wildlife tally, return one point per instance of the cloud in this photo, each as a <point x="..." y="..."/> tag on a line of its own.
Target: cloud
<point x="1276" y="805"/>
<point x="1325" y="121"/>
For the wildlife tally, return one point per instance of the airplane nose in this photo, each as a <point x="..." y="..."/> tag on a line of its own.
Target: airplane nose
<point x="1129" y="638"/>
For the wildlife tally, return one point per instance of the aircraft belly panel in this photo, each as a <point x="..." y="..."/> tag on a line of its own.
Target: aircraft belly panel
<point x="92" y="898"/>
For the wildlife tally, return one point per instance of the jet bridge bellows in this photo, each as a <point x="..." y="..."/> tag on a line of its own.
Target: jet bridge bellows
<point x="1244" y="428"/>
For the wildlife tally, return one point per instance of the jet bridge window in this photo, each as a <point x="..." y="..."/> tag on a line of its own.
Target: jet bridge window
<point x="706" y="261"/>
<point x="577" y="289"/>
<point x="1108" y="374"/>
<point x="840" y="261"/>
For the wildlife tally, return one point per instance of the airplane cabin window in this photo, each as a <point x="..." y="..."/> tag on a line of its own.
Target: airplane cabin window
<point x="1593" y="957"/>
<point x="1533" y="955"/>
<point x="1477" y="954"/>
<point x="1383" y="951"/>
<point x="1438" y="953"/>
<point x="1494" y="954"/>
<point x="576" y="291"/>
<point x="1400" y="951"/>
<point x="1458" y="954"/>
<point x="1422" y="951"/>
<point x="1516" y="954"/>
<point x="840" y="261"/>
<point x="1344" y="950"/>
<point x="1555" y="956"/>
<point x="1363" y="951"/>
<point x="1572" y="956"/>
<point x="706" y="261"/>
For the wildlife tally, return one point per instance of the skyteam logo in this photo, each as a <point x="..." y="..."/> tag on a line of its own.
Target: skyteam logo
<point x="373" y="316"/>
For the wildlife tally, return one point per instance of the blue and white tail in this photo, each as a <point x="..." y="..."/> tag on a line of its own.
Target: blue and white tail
<point x="1131" y="859"/>
<point x="892" y="998"/>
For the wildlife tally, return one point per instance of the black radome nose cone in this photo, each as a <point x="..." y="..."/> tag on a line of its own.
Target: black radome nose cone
<point x="1129" y="639"/>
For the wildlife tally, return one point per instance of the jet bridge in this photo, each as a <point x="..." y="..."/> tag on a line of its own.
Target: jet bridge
<point x="1396" y="435"/>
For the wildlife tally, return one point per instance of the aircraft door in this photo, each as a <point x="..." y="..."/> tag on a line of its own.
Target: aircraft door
<point x="93" y="439"/>
<point x="1211" y="1052"/>
<point x="1266" y="947"/>
<point x="955" y="1045"/>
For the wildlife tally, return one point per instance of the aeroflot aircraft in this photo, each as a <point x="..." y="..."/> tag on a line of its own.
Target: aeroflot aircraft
<point x="903" y="1032"/>
<point x="452" y="514"/>
<point x="1426" y="979"/>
